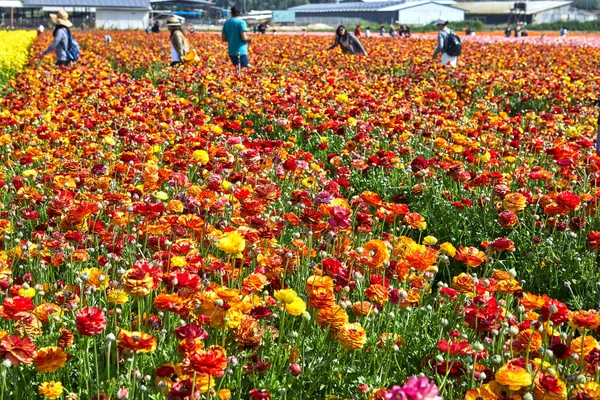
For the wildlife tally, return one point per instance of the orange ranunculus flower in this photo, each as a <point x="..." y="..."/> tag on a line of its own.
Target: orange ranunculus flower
<point x="334" y="317"/>
<point x="513" y="376"/>
<point x="471" y="256"/>
<point x="352" y="336"/>
<point x="44" y="311"/>
<point x="314" y="281"/>
<point x="377" y="293"/>
<point x="415" y="221"/>
<point x="589" y="319"/>
<point x="413" y="298"/>
<point x="591" y="389"/>
<point x="66" y="338"/>
<point x="248" y="334"/>
<point x="489" y="391"/>
<point x="321" y="298"/>
<point x="527" y="341"/>
<point x="254" y="283"/>
<point x="401" y="245"/>
<point x="51" y="390"/>
<point x="212" y="361"/>
<point x="371" y="198"/>
<point x="224" y="394"/>
<point x="137" y="282"/>
<point x="532" y="301"/>
<point x="375" y="253"/>
<point x="50" y="359"/>
<point x="17" y="350"/>
<point x="548" y="387"/>
<point x="169" y="301"/>
<point x="463" y="283"/>
<point x="420" y="257"/>
<point x="97" y="277"/>
<point x="139" y="342"/>
<point x="583" y="345"/>
<point x="188" y="346"/>
<point x="514" y="202"/>
<point x="362" y="308"/>
<point x="509" y="286"/>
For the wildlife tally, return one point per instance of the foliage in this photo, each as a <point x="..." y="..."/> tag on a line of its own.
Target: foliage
<point x="319" y="226"/>
<point x="573" y="26"/>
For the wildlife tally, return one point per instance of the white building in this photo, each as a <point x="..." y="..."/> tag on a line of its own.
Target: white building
<point x="420" y="12"/>
<point x="109" y="14"/>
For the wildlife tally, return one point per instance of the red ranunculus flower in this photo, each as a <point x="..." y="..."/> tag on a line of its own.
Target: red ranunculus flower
<point x="555" y="311"/>
<point x="594" y="240"/>
<point x="90" y="321"/>
<point x="568" y="200"/>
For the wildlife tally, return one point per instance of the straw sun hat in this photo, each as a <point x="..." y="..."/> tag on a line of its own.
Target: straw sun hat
<point x="173" y="21"/>
<point x="61" y="18"/>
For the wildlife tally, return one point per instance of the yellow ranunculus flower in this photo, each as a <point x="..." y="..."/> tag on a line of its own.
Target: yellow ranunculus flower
<point x="51" y="390"/>
<point x="178" y="261"/>
<point x="296" y="307"/>
<point x="430" y="240"/>
<point x="201" y="156"/>
<point x="232" y="242"/>
<point x="286" y="295"/>
<point x="448" y="249"/>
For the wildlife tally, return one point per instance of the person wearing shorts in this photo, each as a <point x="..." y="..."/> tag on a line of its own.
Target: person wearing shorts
<point x="235" y="33"/>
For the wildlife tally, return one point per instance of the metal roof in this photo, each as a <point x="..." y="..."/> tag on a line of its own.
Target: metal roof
<point x="145" y="4"/>
<point x="392" y="5"/>
<point x="11" y="4"/>
<point x="503" y="7"/>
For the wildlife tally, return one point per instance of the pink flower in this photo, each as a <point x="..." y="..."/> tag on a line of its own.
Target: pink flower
<point x="415" y="389"/>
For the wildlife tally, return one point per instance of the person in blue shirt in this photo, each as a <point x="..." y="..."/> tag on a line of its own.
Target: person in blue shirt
<point x="235" y="33"/>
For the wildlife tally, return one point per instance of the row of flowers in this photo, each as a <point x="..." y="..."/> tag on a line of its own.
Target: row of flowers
<point x="194" y="233"/>
<point x="14" y="53"/>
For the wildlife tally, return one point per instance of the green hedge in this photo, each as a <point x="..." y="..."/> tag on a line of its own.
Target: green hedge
<point x="589" y="26"/>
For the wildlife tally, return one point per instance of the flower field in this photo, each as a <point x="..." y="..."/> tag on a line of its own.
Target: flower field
<point x="13" y="52"/>
<point x="318" y="227"/>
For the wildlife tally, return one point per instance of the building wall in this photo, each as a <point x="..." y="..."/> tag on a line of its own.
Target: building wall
<point x="423" y="15"/>
<point x="341" y="17"/>
<point x="553" y="15"/>
<point x="121" y="19"/>
<point x="498" y="19"/>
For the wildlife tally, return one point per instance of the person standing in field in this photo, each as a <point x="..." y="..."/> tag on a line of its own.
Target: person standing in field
<point x="443" y="34"/>
<point x="235" y="33"/>
<point x="179" y="45"/>
<point x="61" y="37"/>
<point x="368" y="31"/>
<point x="357" y="31"/>
<point x="349" y="43"/>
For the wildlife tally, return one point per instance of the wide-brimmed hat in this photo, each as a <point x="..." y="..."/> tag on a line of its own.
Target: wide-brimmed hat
<point x="61" y="18"/>
<point x="441" y="21"/>
<point x="173" y="21"/>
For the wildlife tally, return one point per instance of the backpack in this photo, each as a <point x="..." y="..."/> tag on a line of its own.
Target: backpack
<point x="452" y="45"/>
<point x="72" y="47"/>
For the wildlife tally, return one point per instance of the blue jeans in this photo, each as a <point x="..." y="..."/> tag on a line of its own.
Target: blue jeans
<point x="241" y="60"/>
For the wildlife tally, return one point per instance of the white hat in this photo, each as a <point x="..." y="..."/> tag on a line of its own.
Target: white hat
<point x="173" y="21"/>
<point x="441" y="21"/>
